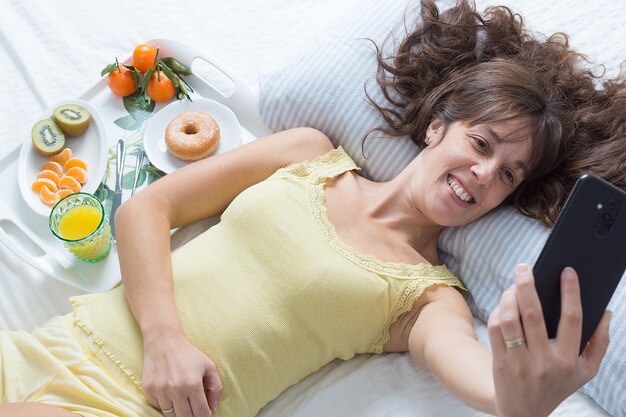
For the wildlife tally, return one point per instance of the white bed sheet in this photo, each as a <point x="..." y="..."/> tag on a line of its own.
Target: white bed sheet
<point x="52" y="51"/>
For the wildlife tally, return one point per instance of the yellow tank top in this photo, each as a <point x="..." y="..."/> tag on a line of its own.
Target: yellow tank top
<point x="271" y="294"/>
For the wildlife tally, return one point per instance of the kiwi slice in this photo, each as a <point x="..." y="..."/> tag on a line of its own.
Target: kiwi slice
<point x="48" y="139"/>
<point x="72" y="119"/>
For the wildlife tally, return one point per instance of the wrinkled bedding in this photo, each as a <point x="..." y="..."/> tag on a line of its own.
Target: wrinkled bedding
<point x="52" y="51"/>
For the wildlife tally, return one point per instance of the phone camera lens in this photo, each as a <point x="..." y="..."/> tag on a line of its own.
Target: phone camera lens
<point x="612" y="205"/>
<point x="607" y="217"/>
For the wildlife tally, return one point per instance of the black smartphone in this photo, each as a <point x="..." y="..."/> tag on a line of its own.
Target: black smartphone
<point x="589" y="236"/>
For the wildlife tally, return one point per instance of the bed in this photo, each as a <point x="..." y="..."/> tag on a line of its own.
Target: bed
<point x="55" y="50"/>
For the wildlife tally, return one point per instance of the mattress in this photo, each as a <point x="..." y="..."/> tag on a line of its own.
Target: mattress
<point x="53" y="51"/>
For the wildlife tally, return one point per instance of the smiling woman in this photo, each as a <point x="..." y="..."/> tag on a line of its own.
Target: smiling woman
<point x="311" y="262"/>
<point x="477" y="166"/>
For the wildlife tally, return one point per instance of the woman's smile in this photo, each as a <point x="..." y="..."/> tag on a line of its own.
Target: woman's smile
<point x="460" y="195"/>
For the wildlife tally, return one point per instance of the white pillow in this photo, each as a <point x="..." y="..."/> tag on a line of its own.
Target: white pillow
<point x="323" y="88"/>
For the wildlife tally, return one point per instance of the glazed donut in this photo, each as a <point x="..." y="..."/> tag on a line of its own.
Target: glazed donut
<point x="192" y="135"/>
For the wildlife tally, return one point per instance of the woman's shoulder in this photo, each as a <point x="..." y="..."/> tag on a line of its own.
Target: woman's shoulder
<point x="330" y="164"/>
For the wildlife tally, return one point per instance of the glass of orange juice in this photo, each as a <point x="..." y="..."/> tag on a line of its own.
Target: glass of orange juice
<point x="80" y="222"/>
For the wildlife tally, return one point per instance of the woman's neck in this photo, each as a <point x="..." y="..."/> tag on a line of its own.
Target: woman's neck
<point x="390" y="204"/>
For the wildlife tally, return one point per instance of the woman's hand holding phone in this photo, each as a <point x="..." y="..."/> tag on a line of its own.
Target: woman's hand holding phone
<point x="533" y="374"/>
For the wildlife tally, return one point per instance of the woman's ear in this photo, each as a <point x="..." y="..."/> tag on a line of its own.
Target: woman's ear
<point x="434" y="131"/>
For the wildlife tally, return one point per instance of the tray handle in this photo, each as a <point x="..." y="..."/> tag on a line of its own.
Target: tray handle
<point x="239" y="98"/>
<point x="14" y="235"/>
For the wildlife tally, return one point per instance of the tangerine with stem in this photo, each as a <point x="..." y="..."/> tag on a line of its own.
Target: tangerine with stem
<point x="161" y="88"/>
<point x="122" y="81"/>
<point x="144" y="56"/>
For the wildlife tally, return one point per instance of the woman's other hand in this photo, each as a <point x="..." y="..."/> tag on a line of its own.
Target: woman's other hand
<point x="178" y="378"/>
<point x="533" y="374"/>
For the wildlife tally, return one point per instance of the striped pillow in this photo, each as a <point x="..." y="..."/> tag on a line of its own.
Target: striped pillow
<point x="323" y="88"/>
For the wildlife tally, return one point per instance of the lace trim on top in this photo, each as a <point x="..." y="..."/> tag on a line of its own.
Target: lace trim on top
<point x="418" y="276"/>
<point x="329" y="165"/>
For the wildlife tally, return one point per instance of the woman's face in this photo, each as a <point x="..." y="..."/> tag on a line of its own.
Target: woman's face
<point x="469" y="170"/>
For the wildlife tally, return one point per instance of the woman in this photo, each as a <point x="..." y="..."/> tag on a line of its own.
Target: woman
<point x="312" y="262"/>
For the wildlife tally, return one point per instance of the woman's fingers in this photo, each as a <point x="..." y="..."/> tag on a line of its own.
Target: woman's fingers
<point x="598" y="344"/>
<point x="495" y="334"/>
<point x="213" y="388"/>
<point x="512" y="330"/>
<point x="199" y="403"/>
<point x="570" y="324"/>
<point x="530" y="308"/>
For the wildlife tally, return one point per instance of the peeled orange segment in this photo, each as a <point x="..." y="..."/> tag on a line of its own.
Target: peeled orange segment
<point x="64" y="192"/>
<point x="54" y="167"/>
<point x="70" y="182"/>
<point x="51" y="175"/>
<point x="62" y="157"/>
<point x="49" y="197"/>
<point x="41" y="182"/>
<point x="75" y="162"/>
<point x="78" y="173"/>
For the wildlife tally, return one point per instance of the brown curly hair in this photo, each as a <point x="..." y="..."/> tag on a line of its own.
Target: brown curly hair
<point x="461" y="65"/>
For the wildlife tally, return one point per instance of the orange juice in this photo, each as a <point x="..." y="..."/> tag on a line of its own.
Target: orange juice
<point x="79" y="222"/>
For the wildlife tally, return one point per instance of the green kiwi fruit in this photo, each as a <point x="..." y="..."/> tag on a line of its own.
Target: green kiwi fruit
<point x="72" y="119"/>
<point x="48" y="139"/>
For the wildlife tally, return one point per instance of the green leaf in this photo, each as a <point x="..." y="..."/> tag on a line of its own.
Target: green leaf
<point x="139" y="107"/>
<point x="154" y="174"/>
<point x="168" y="73"/>
<point x="141" y="178"/>
<point x="108" y="69"/>
<point x="128" y="122"/>
<point x="176" y="66"/>
<point x="186" y="84"/>
<point x="105" y="195"/>
<point x="137" y="76"/>
<point x="146" y="78"/>
<point x="136" y="102"/>
<point x="127" y="180"/>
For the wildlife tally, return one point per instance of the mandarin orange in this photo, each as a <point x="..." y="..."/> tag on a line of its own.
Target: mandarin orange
<point x="75" y="162"/>
<point x="70" y="182"/>
<point x="121" y="81"/>
<point x="78" y="173"/>
<point x="144" y="56"/>
<point x="161" y="88"/>
<point x="62" y="156"/>
<point x="51" y="175"/>
<point x="53" y="166"/>
<point x="49" y="197"/>
<point x="64" y="192"/>
<point x="41" y="182"/>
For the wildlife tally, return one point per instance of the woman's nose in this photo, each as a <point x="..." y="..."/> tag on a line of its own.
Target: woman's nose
<point x="484" y="171"/>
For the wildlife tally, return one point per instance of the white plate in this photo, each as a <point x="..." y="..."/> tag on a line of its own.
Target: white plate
<point x="91" y="147"/>
<point x="154" y="139"/>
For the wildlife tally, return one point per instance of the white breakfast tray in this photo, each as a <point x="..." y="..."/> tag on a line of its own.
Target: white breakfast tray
<point x="26" y="233"/>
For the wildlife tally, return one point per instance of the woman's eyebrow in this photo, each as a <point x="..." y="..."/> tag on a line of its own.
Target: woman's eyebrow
<point x="493" y="134"/>
<point x="521" y="165"/>
<point x="518" y="163"/>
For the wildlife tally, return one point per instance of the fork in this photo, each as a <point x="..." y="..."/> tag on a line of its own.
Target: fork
<point x="138" y="165"/>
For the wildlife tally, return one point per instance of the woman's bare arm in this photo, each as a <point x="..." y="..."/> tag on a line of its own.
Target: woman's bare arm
<point x="527" y="379"/>
<point x="443" y="341"/>
<point x="197" y="191"/>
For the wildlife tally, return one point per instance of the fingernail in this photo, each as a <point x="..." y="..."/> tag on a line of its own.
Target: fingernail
<point x="569" y="273"/>
<point x="522" y="269"/>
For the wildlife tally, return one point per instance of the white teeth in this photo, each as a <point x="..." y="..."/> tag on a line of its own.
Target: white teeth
<point x="460" y="191"/>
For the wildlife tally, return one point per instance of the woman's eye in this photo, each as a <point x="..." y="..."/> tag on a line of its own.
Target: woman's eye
<point x="480" y="143"/>
<point x="509" y="176"/>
